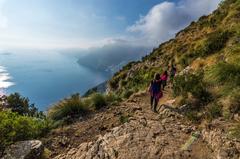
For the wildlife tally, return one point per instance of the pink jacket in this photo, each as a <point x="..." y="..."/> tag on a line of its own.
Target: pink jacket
<point x="164" y="77"/>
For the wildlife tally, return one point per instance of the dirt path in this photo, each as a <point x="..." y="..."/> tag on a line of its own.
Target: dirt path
<point x="145" y="134"/>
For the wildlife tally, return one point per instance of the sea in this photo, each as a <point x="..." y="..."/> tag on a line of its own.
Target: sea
<point x="45" y="77"/>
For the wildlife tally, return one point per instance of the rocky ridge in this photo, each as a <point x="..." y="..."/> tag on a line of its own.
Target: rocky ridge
<point x="163" y="135"/>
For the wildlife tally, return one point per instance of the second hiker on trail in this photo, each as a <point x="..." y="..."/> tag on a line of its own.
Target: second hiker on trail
<point x="172" y="73"/>
<point x="164" y="79"/>
<point x="155" y="91"/>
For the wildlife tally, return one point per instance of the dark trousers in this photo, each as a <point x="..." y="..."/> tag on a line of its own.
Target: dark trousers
<point x="164" y="84"/>
<point x="154" y="103"/>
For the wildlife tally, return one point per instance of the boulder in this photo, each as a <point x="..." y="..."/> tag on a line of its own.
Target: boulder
<point x="31" y="149"/>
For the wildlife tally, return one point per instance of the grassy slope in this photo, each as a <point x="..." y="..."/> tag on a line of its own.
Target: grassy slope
<point x="212" y="45"/>
<point x="188" y="48"/>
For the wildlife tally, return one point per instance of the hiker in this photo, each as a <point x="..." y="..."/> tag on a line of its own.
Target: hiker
<point x="155" y="91"/>
<point x="164" y="79"/>
<point x="172" y="73"/>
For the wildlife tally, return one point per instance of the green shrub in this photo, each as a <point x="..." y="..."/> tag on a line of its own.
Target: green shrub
<point x="191" y="83"/>
<point x="21" y="105"/>
<point x="14" y="127"/>
<point x="127" y="93"/>
<point x="67" y="109"/>
<point x="123" y="83"/>
<point x="223" y="73"/>
<point x="218" y="17"/>
<point x="214" y="43"/>
<point x="98" y="101"/>
<point x="123" y="119"/>
<point x="186" y="59"/>
<point x="112" y="98"/>
<point x="193" y="116"/>
<point x="234" y="97"/>
<point x="214" y="111"/>
<point x="234" y="132"/>
<point x="113" y="83"/>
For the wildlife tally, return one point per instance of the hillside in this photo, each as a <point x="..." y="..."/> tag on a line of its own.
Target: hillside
<point x="212" y="39"/>
<point x="197" y="117"/>
<point x="206" y="54"/>
<point x="132" y="130"/>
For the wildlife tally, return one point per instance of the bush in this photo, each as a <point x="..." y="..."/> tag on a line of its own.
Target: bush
<point x="127" y="93"/>
<point x="98" y="101"/>
<point x="124" y="119"/>
<point x="193" y="116"/>
<point x="187" y="58"/>
<point x="191" y="83"/>
<point x="123" y="83"/>
<point x="112" y="98"/>
<point x="14" y="127"/>
<point x="21" y="105"/>
<point x="67" y="109"/>
<point x="233" y="104"/>
<point x="235" y="131"/>
<point x="214" y="111"/>
<point x="223" y="73"/>
<point x="214" y="43"/>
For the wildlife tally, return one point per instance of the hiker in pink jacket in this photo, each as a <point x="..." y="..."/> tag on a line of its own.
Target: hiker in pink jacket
<point x="164" y="79"/>
<point x="155" y="91"/>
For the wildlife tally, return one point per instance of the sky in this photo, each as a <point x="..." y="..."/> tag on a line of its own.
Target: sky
<point x="61" y="24"/>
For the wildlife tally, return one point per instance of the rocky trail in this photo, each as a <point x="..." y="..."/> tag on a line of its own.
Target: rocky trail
<point x="132" y="131"/>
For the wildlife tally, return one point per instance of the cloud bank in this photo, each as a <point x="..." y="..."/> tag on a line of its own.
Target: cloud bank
<point x="3" y="18"/>
<point x="164" y="20"/>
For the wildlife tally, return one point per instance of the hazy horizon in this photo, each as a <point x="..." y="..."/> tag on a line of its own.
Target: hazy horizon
<point x="104" y="34"/>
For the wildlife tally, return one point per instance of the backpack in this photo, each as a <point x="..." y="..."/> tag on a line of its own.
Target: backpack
<point x="156" y="87"/>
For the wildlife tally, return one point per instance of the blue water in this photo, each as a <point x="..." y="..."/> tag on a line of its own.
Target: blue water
<point x="45" y="77"/>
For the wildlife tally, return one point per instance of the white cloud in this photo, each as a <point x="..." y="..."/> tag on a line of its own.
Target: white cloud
<point x="158" y="25"/>
<point x="3" y="18"/>
<point x="167" y="18"/>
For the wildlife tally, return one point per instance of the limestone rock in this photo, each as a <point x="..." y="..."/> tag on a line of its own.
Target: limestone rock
<point x="31" y="149"/>
<point x="141" y="137"/>
<point x="223" y="147"/>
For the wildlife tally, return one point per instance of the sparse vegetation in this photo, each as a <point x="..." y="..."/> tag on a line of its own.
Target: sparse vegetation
<point x="193" y="84"/>
<point x="214" y="110"/>
<point x="127" y="93"/>
<point x="15" y="127"/>
<point x="123" y="119"/>
<point x="98" y="101"/>
<point x="193" y="116"/>
<point x="112" y="98"/>
<point x="224" y="73"/>
<point x="17" y="103"/>
<point x="234" y="98"/>
<point x="234" y="131"/>
<point x="210" y="93"/>
<point x="20" y="120"/>
<point x="67" y="109"/>
<point x="70" y="109"/>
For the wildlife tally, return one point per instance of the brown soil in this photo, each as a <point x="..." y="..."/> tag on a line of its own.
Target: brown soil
<point x="88" y="129"/>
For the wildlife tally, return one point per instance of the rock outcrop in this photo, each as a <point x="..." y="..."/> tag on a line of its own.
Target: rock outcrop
<point x="221" y="144"/>
<point x="31" y="149"/>
<point x="146" y="135"/>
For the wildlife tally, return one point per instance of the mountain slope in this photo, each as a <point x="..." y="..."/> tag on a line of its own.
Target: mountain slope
<point x="146" y="134"/>
<point x="199" y="114"/>
<point x="206" y="41"/>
